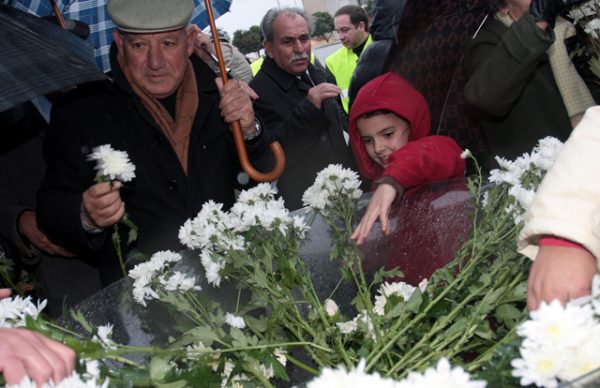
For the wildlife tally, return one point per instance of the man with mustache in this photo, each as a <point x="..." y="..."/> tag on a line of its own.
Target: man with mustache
<point x="297" y="106"/>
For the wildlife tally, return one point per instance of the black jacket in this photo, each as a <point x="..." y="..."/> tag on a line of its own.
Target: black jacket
<point x="312" y="138"/>
<point x="161" y="197"/>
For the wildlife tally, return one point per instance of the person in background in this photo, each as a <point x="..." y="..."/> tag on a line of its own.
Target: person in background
<point x="166" y="109"/>
<point x="24" y="353"/>
<point x="60" y="278"/>
<point x="235" y="61"/>
<point x="521" y="81"/>
<point x="562" y="225"/>
<point x="298" y="107"/>
<point x="390" y="136"/>
<point x="352" y="25"/>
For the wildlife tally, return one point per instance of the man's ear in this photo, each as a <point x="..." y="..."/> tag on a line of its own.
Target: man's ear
<point x="118" y="38"/>
<point x="191" y="40"/>
<point x="361" y="26"/>
<point x="267" y="46"/>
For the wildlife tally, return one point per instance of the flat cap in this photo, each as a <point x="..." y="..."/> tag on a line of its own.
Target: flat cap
<point x="149" y="16"/>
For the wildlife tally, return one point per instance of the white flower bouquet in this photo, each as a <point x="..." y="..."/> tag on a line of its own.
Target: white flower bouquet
<point x="459" y="328"/>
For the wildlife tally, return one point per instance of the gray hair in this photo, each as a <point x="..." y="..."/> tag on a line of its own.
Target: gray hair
<point x="266" y="25"/>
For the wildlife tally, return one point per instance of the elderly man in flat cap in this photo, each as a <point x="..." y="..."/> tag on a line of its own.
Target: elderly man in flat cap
<point x="166" y="109"/>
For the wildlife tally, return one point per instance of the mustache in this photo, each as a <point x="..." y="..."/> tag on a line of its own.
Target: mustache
<point x="299" y="57"/>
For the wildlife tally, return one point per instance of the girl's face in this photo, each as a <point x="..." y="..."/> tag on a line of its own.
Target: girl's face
<point x="383" y="135"/>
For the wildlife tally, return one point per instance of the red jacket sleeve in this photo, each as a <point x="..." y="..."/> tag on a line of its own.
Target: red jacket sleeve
<point x="426" y="160"/>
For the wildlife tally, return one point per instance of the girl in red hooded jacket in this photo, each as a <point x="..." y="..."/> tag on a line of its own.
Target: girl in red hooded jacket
<point x="389" y="134"/>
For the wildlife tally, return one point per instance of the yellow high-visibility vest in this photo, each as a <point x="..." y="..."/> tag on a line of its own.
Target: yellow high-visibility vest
<point x="342" y="64"/>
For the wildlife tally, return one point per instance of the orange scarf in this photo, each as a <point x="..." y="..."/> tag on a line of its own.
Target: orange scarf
<point x="177" y="130"/>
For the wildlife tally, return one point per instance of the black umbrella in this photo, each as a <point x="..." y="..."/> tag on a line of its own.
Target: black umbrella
<point x="39" y="57"/>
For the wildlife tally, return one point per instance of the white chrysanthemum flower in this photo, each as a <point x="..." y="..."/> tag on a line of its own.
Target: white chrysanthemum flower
<point x="212" y="268"/>
<point x="348" y="327"/>
<point x="386" y="290"/>
<point x="593" y="28"/>
<point x="92" y="369"/>
<point x="362" y="321"/>
<point x="235" y="321"/>
<point x="523" y="196"/>
<point x="73" y="381"/>
<point x="103" y="337"/>
<point x="334" y="181"/>
<point x="262" y="192"/>
<point x="112" y="164"/>
<point x="465" y="154"/>
<point x="331" y="308"/>
<point x="538" y="366"/>
<point x="178" y="281"/>
<point x="557" y="326"/>
<point x="582" y="11"/>
<point x="443" y="375"/>
<point x="343" y="378"/>
<point x="13" y="311"/>
<point x="485" y="200"/>
<point x="545" y="153"/>
<point x="583" y="358"/>
<point x="145" y="273"/>
<point x="207" y="228"/>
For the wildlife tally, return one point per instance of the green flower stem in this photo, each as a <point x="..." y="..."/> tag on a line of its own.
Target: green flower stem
<point x="487" y="355"/>
<point x="439" y="325"/>
<point x="117" y="243"/>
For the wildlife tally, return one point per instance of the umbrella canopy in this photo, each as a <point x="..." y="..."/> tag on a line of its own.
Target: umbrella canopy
<point x="95" y="14"/>
<point x="38" y="58"/>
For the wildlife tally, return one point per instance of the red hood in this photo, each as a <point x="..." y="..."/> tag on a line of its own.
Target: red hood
<point x="390" y="92"/>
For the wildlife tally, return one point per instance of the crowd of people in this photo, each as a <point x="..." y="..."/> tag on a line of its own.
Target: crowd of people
<point x="165" y="106"/>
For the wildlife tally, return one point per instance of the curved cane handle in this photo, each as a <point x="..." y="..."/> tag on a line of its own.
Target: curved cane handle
<point x="256" y="175"/>
<point x="236" y="127"/>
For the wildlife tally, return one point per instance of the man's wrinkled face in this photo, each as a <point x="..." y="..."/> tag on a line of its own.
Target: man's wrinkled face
<point x="156" y="62"/>
<point x="351" y="36"/>
<point x="290" y="48"/>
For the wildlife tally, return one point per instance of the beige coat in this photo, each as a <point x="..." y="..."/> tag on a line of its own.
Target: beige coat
<point x="567" y="203"/>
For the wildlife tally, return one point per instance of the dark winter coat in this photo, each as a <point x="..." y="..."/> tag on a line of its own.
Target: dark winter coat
<point x="312" y="138"/>
<point x="512" y="87"/>
<point x="161" y="197"/>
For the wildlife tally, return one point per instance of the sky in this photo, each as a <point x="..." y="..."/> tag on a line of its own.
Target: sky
<point x="247" y="13"/>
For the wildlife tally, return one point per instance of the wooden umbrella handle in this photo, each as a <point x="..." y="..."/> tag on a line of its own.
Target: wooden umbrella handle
<point x="59" y="16"/>
<point x="236" y="127"/>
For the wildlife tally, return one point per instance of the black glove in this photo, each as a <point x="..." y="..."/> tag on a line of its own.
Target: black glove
<point x="547" y="10"/>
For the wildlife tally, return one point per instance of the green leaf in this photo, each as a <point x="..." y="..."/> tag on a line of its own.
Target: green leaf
<point x="509" y="315"/>
<point x="159" y="368"/>
<point x="79" y="318"/>
<point x="239" y="339"/>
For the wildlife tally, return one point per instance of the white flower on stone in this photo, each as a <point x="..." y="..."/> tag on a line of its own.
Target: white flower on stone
<point x="178" y="281"/>
<point x="442" y="375"/>
<point x="593" y="28"/>
<point x="235" y="321"/>
<point x="331" y="308"/>
<point x="103" y="337"/>
<point x="465" y="154"/>
<point x="353" y="378"/>
<point x="145" y="273"/>
<point x="112" y="164"/>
